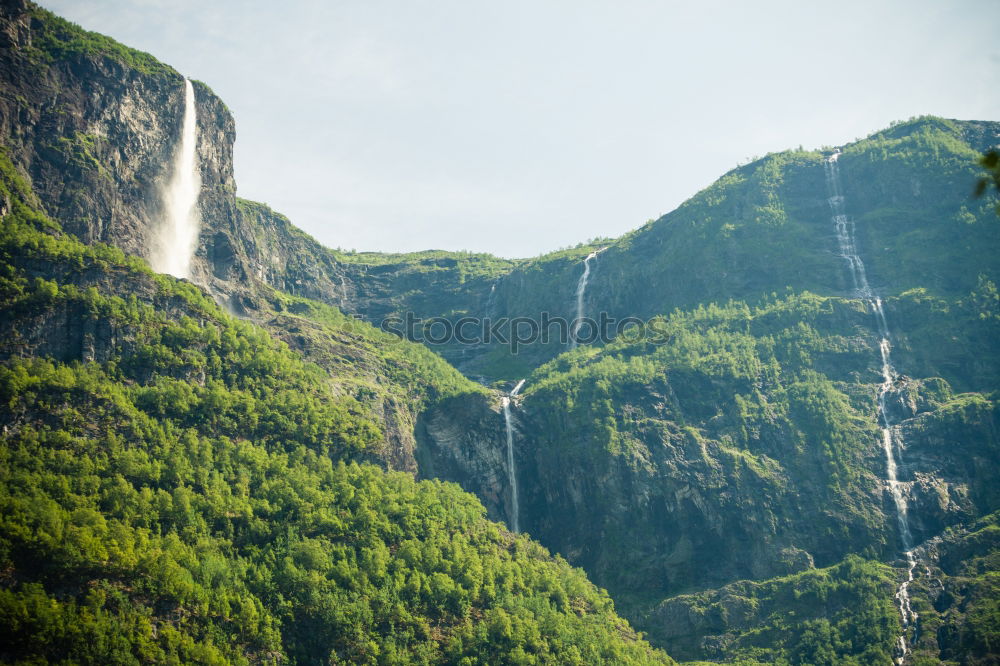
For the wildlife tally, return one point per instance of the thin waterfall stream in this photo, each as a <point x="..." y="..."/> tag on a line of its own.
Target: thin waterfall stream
<point x="581" y="290"/>
<point x="515" y="509"/>
<point x="491" y="300"/>
<point x="891" y="437"/>
<point x="177" y="237"/>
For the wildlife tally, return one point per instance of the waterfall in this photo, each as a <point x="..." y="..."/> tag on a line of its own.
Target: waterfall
<point x="891" y="437"/>
<point x="581" y="289"/>
<point x="515" y="509"/>
<point x="177" y="236"/>
<point x="491" y="300"/>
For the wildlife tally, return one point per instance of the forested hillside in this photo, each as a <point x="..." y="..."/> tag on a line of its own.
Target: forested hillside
<point x="179" y="487"/>
<point x="240" y="467"/>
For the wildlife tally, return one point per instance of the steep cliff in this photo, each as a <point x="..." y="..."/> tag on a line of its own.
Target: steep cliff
<point x="88" y="120"/>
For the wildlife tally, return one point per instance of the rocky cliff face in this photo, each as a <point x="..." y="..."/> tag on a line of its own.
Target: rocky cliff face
<point x="95" y="126"/>
<point x="955" y="593"/>
<point x="680" y="480"/>
<point x="96" y="134"/>
<point x="463" y="439"/>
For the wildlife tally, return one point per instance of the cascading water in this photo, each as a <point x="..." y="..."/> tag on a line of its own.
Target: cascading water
<point x="581" y="289"/>
<point x="515" y="509"/>
<point x="491" y="300"/>
<point x="890" y="433"/>
<point x="177" y="237"/>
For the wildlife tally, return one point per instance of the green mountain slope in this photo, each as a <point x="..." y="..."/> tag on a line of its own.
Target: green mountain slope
<point x="746" y="448"/>
<point x="177" y="486"/>
<point x="188" y="483"/>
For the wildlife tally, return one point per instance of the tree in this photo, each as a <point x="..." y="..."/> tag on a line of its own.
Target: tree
<point x="991" y="162"/>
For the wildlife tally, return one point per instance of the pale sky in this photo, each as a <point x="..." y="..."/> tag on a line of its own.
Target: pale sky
<point x="518" y="127"/>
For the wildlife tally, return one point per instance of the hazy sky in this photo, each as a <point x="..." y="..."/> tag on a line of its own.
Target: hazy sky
<point x="518" y="127"/>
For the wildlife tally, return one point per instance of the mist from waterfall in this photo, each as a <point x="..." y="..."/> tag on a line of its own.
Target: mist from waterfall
<point x="515" y="508"/>
<point x="177" y="236"/>
<point x="891" y="437"/>
<point x="581" y="290"/>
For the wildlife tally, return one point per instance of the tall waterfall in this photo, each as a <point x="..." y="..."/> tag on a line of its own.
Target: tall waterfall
<point x="891" y="437"/>
<point x="515" y="508"/>
<point x="177" y="237"/>
<point x="581" y="290"/>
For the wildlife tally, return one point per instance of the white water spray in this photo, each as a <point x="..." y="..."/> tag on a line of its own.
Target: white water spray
<point x="177" y="237"/>
<point x="515" y="509"/>
<point x="890" y="433"/>
<point x="581" y="290"/>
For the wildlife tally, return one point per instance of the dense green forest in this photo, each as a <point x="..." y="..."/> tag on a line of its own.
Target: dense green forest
<point x="199" y="495"/>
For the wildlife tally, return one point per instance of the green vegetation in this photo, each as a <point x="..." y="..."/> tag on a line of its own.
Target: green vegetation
<point x="763" y="228"/>
<point x="751" y="410"/>
<point x="194" y="492"/>
<point x="55" y="38"/>
<point x="842" y="615"/>
<point x="411" y="372"/>
<point x="991" y="163"/>
<point x="958" y="596"/>
<point x="766" y="392"/>
<point x="741" y="368"/>
<point x="935" y="171"/>
<point x="78" y="153"/>
<point x="427" y="284"/>
<point x="180" y="486"/>
<point x="133" y="537"/>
